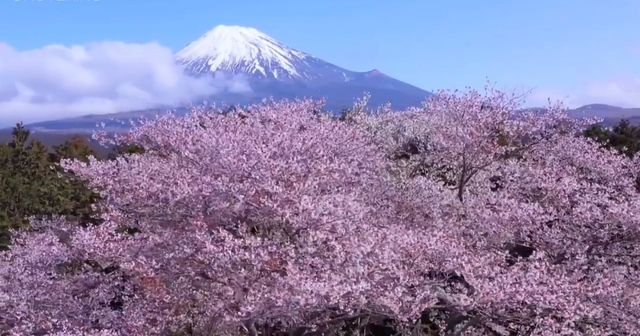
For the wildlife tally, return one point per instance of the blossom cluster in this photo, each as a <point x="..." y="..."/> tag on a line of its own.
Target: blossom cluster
<point x="500" y="220"/>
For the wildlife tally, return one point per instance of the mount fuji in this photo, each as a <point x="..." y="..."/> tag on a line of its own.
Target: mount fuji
<point x="235" y="49"/>
<point x="274" y="70"/>
<point x="271" y="70"/>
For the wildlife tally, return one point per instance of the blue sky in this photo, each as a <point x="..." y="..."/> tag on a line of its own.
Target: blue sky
<point x="579" y="50"/>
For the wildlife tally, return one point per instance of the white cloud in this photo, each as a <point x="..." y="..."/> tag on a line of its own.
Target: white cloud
<point x="622" y="91"/>
<point x="58" y="81"/>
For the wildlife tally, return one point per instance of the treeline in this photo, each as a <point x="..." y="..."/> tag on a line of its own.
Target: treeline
<point x="32" y="184"/>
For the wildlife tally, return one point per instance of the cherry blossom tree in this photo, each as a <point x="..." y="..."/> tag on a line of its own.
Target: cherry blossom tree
<point x="464" y="216"/>
<point x="535" y="191"/>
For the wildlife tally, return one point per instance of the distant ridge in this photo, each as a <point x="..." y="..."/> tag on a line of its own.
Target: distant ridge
<point x="611" y="115"/>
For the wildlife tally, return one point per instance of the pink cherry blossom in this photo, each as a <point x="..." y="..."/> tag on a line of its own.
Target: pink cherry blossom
<point x="496" y="219"/>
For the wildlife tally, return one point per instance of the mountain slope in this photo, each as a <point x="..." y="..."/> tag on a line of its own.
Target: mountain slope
<point x="272" y="70"/>
<point x="275" y="70"/>
<point x="605" y="111"/>
<point x="609" y="114"/>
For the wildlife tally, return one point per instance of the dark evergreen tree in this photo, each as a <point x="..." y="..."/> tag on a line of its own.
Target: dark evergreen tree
<point x="32" y="184"/>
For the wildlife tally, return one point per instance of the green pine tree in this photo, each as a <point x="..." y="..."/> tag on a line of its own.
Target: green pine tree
<point x="32" y="184"/>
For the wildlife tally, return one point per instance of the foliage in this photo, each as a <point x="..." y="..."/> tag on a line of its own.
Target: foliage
<point x="124" y="149"/>
<point x="77" y="147"/>
<point x="31" y="185"/>
<point x="624" y="137"/>
<point x="275" y="218"/>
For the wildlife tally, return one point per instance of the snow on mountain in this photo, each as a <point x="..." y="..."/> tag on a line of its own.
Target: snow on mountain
<point x="248" y="51"/>
<point x="276" y="70"/>
<point x="241" y="49"/>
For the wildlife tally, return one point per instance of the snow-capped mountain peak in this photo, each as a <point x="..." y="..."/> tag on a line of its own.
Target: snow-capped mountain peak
<point x="271" y="69"/>
<point x="241" y="49"/>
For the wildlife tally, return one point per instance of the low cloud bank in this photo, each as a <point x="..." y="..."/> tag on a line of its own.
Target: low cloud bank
<point x="622" y="91"/>
<point x="56" y="81"/>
